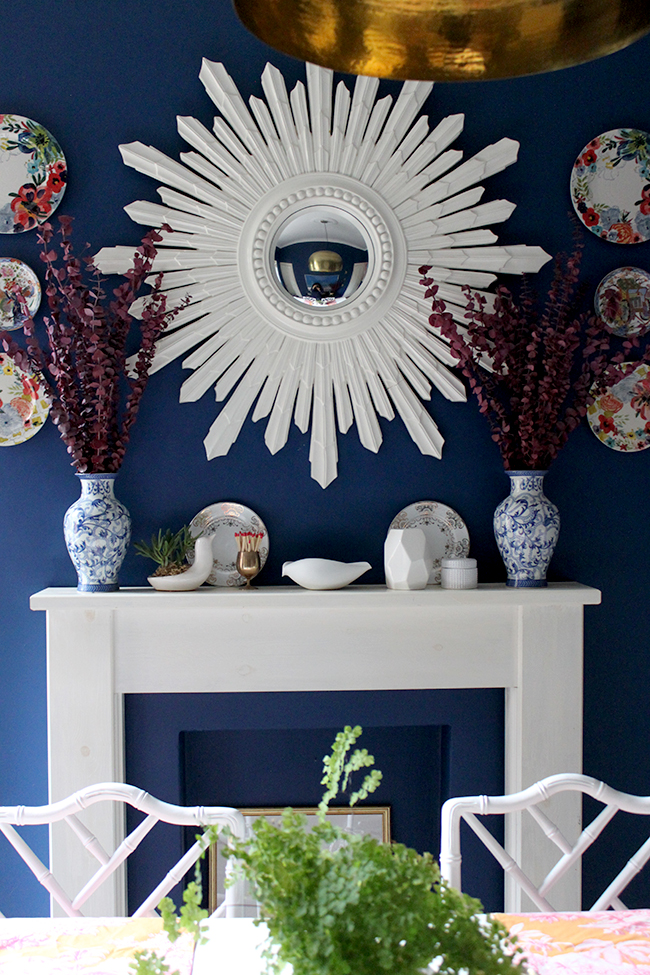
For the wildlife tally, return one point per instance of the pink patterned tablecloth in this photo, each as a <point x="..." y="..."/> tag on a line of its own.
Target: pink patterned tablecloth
<point x="86" y="946"/>
<point x="612" y="942"/>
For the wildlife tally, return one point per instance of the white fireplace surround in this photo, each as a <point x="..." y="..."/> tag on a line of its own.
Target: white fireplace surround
<point x="101" y="646"/>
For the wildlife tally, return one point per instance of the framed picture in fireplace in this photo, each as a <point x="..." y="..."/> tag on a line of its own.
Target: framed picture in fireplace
<point x="369" y="820"/>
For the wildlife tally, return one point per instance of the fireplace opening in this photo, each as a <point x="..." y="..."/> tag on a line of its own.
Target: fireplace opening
<point x="266" y="750"/>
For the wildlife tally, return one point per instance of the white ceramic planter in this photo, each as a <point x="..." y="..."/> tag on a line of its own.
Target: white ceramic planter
<point x="195" y="574"/>
<point x="407" y="563"/>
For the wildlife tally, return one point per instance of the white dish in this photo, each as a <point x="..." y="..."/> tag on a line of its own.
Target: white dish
<point x="324" y="573"/>
<point x="220" y="521"/>
<point x="622" y="301"/>
<point x="446" y="532"/>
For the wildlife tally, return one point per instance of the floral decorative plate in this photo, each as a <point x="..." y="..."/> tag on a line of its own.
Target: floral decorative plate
<point x="622" y="301"/>
<point x="610" y="186"/>
<point x="446" y="532"/>
<point x="23" y="404"/>
<point x="620" y="417"/>
<point x="20" y="293"/>
<point x="221" y="520"/>
<point x="33" y="174"/>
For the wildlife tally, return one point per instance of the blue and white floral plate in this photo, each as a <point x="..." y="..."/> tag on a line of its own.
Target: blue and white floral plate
<point x="445" y="531"/>
<point x="610" y="186"/>
<point x="20" y="293"/>
<point x="33" y="174"/>
<point x="221" y="520"/>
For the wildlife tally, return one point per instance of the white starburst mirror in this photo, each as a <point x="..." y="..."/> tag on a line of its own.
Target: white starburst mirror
<point x="360" y="178"/>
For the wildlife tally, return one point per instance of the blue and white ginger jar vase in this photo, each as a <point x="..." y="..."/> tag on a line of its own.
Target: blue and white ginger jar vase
<point x="97" y="532"/>
<point x="526" y="528"/>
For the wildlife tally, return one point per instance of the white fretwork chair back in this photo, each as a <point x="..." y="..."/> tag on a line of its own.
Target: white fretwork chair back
<point x="155" y="810"/>
<point x="469" y="807"/>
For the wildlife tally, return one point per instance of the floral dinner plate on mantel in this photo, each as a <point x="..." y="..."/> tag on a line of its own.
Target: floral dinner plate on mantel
<point x="620" y="417"/>
<point x="20" y="293"/>
<point x="221" y="520"/>
<point x="610" y="186"/>
<point x="446" y="532"/>
<point x="23" y="404"/>
<point x="33" y="174"/>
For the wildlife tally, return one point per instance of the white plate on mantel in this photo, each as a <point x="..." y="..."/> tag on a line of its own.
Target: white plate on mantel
<point x="446" y="532"/>
<point x="221" y="520"/>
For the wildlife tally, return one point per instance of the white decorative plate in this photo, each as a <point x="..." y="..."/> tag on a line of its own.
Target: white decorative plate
<point x="446" y="532"/>
<point x="610" y="186"/>
<point x="221" y="520"/>
<point x="33" y="174"/>
<point x="23" y="404"/>
<point x="620" y="417"/>
<point x="622" y="301"/>
<point x="17" y="280"/>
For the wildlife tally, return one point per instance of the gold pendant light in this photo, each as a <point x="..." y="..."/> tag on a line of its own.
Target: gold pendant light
<point x="325" y="261"/>
<point x="446" y="40"/>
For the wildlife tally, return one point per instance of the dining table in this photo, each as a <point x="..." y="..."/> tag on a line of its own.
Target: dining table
<point x="583" y="943"/>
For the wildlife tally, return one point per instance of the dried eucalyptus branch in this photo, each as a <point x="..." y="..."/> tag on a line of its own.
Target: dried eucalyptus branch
<point x="546" y="366"/>
<point x="95" y="396"/>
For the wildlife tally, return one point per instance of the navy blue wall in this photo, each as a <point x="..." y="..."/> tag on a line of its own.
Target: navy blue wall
<point x="108" y="72"/>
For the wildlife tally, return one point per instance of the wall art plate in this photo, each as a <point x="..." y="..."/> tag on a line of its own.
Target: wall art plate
<point x="221" y="520"/>
<point x="610" y="186"/>
<point x="446" y="532"/>
<point x="33" y="174"/>
<point x="23" y="403"/>
<point x="620" y="417"/>
<point x="20" y="289"/>
<point x="622" y="301"/>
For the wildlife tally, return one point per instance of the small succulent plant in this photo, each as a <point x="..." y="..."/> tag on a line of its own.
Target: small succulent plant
<point x="169" y="549"/>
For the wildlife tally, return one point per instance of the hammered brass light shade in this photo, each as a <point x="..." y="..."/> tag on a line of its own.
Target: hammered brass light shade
<point x="325" y="262"/>
<point x="446" y="40"/>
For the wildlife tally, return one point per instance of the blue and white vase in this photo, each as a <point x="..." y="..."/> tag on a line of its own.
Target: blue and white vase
<point x="526" y="528"/>
<point x="97" y="532"/>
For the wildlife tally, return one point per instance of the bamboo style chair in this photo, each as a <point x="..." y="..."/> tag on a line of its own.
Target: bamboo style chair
<point x="469" y="807"/>
<point x="156" y="811"/>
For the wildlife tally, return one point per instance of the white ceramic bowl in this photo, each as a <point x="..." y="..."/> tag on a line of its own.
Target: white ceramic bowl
<point x="324" y="573"/>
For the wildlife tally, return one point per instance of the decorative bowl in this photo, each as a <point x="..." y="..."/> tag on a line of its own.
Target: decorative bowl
<point x="324" y="573"/>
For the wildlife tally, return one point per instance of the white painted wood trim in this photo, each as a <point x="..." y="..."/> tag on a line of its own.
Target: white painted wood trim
<point x="103" y="645"/>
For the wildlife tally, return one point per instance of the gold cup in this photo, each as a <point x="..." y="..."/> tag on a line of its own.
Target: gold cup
<point x="248" y="565"/>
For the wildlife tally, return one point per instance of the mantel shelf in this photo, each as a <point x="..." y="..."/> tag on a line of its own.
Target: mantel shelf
<point x="375" y="597"/>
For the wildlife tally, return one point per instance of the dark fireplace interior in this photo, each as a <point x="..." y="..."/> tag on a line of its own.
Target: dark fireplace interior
<point x="262" y="750"/>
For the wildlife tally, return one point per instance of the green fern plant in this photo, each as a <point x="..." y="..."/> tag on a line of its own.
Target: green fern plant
<point x="336" y="903"/>
<point x="168" y="549"/>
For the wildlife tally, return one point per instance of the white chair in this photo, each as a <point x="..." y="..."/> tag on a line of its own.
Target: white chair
<point x="469" y="807"/>
<point x="156" y="811"/>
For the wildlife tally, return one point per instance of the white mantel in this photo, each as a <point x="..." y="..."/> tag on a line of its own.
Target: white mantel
<point x="101" y="646"/>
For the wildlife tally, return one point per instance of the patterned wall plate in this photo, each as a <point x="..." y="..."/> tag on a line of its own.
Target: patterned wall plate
<point x="620" y="417"/>
<point x="446" y="532"/>
<point x="610" y="186"/>
<point x="622" y="301"/>
<point x="18" y="284"/>
<point x="33" y="174"/>
<point x="221" y="520"/>
<point x="23" y="404"/>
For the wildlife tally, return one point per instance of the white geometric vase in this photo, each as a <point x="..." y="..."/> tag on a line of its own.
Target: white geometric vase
<point x="406" y="561"/>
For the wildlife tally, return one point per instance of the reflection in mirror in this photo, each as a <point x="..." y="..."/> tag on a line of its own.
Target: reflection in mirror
<point x="321" y="255"/>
